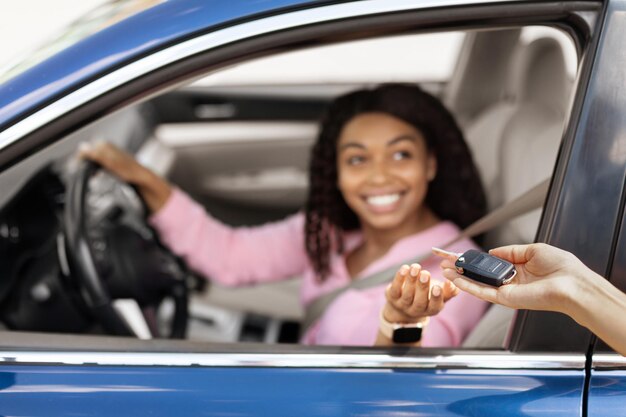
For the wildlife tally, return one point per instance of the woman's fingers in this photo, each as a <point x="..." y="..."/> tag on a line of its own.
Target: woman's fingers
<point x="394" y="291"/>
<point x="413" y="295"/>
<point x="450" y="273"/>
<point x="481" y="291"/>
<point x="461" y="283"/>
<point x="112" y="159"/>
<point x="436" y="302"/>
<point x="96" y="151"/>
<point x="451" y="256"/>
<point x="99" y="152"/>
<point x="420" y="298"/>
<point x="410" y="285"/>
<point x="449" y="290"/>
<point x="516" y="254"/>
<point x="446" y="263"/>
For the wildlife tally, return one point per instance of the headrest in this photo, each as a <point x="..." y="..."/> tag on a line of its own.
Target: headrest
<point x="540" y="75"/>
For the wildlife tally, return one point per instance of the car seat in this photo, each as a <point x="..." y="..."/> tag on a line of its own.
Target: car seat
<point x="525" y="154"/>
<point x="532" y="136"/>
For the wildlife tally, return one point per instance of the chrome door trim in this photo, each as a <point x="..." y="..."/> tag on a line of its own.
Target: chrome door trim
<point x="213" y="40"/>
<point x="494" y="361"/>
<point x="604" y="361"/>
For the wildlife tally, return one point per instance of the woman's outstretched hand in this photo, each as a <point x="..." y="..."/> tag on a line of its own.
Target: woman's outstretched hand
<point x="552" y="279"/>
<point x="153" y="189"/>
<point x="412" y="297"/>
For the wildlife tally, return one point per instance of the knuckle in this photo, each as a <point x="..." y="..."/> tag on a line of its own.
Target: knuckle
<point x="415" y="311"/>
<point x="405" y="302"/>
<point x="393" y="291"/>
<point x="419" y="307"/>
<point x="407" y="295"/>
<point x="397" y="305"/>
<point x="434" y="309"/>
<point x="101" y="146"/>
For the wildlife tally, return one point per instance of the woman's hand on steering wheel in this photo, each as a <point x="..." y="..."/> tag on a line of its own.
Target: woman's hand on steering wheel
<point x="133" y="263"/>
<point x="154" y="190"/>
<point x="412" y="296"/>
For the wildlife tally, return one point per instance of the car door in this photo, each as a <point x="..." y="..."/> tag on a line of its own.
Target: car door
<point x="539" y="371"/>
<point x="607" y="370"/>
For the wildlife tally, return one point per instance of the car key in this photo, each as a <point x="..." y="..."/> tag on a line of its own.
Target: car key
<point x="482" y="267"/>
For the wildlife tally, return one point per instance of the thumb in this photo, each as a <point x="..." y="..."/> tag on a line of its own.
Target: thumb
<point x="517" y="254"/>
<point x="449" y="290"/>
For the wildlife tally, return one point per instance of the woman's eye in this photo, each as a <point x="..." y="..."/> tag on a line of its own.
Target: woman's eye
<point x="355" y="160"/>
<point x="400" y="155"/>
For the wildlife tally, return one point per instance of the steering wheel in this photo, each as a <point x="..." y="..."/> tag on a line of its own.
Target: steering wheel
<point x="119" y="256"/>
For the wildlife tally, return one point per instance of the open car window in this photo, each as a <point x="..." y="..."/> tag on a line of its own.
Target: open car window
<point x="238" y="141"/>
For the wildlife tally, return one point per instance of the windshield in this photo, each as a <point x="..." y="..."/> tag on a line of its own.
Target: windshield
<point x="99" y="18"/>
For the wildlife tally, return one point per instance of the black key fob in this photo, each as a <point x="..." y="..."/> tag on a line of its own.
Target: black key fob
<point x="485" y="268"/>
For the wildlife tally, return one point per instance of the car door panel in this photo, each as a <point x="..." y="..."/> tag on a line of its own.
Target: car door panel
<point x="243" y="172"/>
<point x="369" y="387"/>
<point x="206" y="129"/>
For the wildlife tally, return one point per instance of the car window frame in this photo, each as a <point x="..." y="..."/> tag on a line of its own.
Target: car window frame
<point x="458" y="17"/>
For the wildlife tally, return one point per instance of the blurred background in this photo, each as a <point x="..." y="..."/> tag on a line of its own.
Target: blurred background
<point x="26" y="24"/>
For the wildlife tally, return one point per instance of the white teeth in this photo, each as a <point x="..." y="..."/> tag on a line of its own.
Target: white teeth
<point x="383" y="200"/>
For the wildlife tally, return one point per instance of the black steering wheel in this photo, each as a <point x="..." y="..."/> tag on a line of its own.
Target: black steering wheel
<point x="118" y="256"/>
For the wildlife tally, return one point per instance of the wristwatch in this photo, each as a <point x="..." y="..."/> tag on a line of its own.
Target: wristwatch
<point x="402" y="332"/>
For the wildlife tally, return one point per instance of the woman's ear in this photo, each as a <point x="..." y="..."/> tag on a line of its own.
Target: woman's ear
<point x="431" y="167"/>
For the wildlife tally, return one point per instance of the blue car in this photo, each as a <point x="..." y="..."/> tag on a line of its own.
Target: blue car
<point x="223" y="99"/>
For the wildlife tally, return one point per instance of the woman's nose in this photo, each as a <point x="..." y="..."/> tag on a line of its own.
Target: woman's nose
<point x="379" y="172"/>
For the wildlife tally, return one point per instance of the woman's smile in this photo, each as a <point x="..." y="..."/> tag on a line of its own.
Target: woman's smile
<point x="384" y="203"/>
<point x="384" y="168"/>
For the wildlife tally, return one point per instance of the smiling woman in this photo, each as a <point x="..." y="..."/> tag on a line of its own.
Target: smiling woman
<point x="384" y="168"/>
<point x="375" y="197"/>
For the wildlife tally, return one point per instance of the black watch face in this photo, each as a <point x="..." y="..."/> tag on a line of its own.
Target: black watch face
<point x="407" y="335"/>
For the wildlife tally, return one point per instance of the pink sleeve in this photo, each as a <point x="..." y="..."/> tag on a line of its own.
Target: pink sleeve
<point x="450" y="327"/>
<point x="459" y="316"/>
<point x="231" y="256"/>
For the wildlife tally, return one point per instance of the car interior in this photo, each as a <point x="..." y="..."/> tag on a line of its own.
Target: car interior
<point x="238" y="139"/>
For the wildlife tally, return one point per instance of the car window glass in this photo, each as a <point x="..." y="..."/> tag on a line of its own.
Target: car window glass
<point x="238" y="141"/>
<point x="395" y="58"/>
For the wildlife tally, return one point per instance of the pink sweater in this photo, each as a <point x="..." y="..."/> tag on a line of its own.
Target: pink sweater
<point x="275" y="251"/>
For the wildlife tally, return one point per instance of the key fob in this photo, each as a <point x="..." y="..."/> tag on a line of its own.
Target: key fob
<point x="485" y="268"/>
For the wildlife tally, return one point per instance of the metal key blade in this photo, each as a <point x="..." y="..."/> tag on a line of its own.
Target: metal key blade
<point x="445" y="253"/>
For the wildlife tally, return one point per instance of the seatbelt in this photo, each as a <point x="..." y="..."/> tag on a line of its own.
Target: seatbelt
<point x="526" y="202"/>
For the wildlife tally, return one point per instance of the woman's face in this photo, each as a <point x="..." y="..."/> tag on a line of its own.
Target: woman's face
<point x="383" y="170"/>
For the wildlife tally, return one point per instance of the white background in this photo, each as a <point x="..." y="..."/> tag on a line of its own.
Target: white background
<point x="25" y="24"/>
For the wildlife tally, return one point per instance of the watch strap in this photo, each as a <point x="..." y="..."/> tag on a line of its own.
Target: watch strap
<point x="402" y="332"/>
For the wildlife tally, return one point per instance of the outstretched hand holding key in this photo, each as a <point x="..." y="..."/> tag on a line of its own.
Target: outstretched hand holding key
<point x="481" y="267"/>
<point x="550" y="279"/>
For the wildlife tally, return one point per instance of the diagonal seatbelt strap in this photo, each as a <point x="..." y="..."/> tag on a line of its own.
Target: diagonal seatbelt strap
<point x="526" y="202"/>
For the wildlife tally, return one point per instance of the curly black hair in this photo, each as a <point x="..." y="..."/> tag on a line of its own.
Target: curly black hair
<point x="456" y="193"/>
